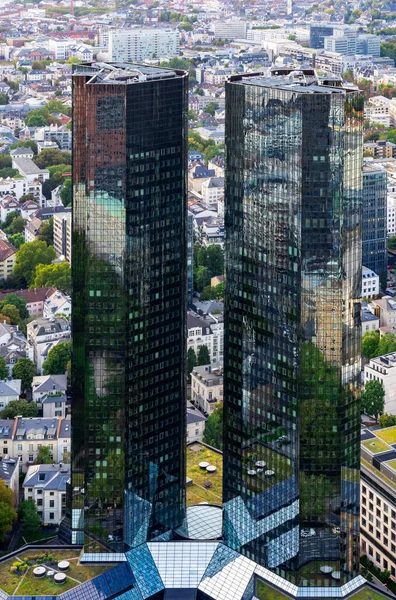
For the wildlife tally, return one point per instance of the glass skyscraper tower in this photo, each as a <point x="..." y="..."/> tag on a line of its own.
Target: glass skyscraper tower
<point x="129" y="304"/>
<point x="293" y="194"/>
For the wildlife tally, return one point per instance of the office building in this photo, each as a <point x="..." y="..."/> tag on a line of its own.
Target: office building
<point x="318" y="33"/>
<point x="374" y="223"/>
<point x="127" y="45"/>
<point x="383" y="369"/>
<point x="378" y="499"/>
<point x="350" y="43"/>
<point x="129" y="303"/>
<point x="230" y="30"/>
<point x="293" y="199"/>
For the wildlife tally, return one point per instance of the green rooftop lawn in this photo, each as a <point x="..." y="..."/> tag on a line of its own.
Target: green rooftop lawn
<point x="388" y="435"/>
<point x="391" y="464"/>
<point x="23" y="582"/>
<point x="375" y="446"/>
<point x="275" y="461"/>
<point x="266" y="592"/>
<point x="379" y="474"/>
<point x="197" y="493"/>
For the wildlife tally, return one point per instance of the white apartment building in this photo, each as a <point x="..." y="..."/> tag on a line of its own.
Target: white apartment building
<point x="60" y="48"/>
<point x="385" y="309"/>
<point x="391" y="214"/>
<point x="383" y="369"/>
<point x="377" y="110"/>
<point x="207" y="387"/>
<point x="206" y="332"/>
<point x="46" y="486"/>
<point x="44" y="334"/>
<point x="370" y="283"/>
<point x="20" y="186"/>
<point x="212" y="190"/>
<point x="56" y="304"/>
<point x="62" y="235"/>
<point x="378" y="499"/>
<point x="230" y="30"/>
<point x="10" y="390"/>
<point x="195" y="424"/>
<point x="139" y="44"/>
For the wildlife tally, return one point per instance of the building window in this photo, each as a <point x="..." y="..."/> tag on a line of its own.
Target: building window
<point x="52" y="516"/>
<point x="30" y="459"/>
<point x="52" y="503"/>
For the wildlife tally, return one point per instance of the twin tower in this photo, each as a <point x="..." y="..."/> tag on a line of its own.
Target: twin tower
<point x="293" y="188"/>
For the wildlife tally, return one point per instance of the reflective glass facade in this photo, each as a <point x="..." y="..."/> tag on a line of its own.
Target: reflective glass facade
<point x="374" y="232"/>
<point x="293" y="194"/>
<point x="129" y="304"/>
<point x="318" y="33"/>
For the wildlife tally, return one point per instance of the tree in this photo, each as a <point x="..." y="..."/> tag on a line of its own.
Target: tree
<point x="11" y="311"/>
<point x="8" y="172"/>
<point x="19" y="407"/>
<point x="7" y="512"/>
<point x="58" y="276"/>
<point x="191" y="360"/>
<point x="52" y="156"/>
<point x="192" y="115"/>
<point x="20" y="304"/>
<point x="211" y="108"/>
<point x="3" y="368"/>
<point x="26" y="197"/>
<point x="17" y="225"/>
<point x="44" y="456"/>
<point x="386" y="344"/>
<point x="386" y="420"/>
<point x="3" y="99"/>
<point x="213" y="434"/>
<point x="16" y="240"/>
<point x="24" y="369"/>
<point x="203" y="355"/>
<point x="392" y="242"/>
<point x="208" y="293"/>
<point x="370" y="343"/>
<point x="348" y="75"/>
<point x="373" y="398"/>
<point x="29" y="518"/>
<point x="46" y="233"/>
<point x="202" y="278"/>
<point x="29" y="256"/>
<point x="58" y="357"/>
<point x="215" y="260"/>
<point x="35" y="119"/>
<point x="66" y="192"/>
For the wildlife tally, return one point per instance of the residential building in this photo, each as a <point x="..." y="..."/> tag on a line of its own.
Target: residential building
<point x="44" y="334"/>
<point x="48" y="384"/>
<point x="374" y="225"/>
<point x="212" y="190"/>
<point x="28" y="169"/>
<point x="128" y="376"/>
<point x="57" y="304"/>
<point x="391" y="214"/>
<point x="46" y="486"/>
<point x="370" y="283"/>
<point x="383" y="369"/>
<point x="9" y="473"/>
<point x="10" y="390"/>
<point x="28" y="208"/>
<point x="8" y="204"/>
<point x="378" y="500"/>
<point x="7" y="259"/>
<point x="385" y="309"/>
<point x="127" y="45"/>
<point x="207" y="387"/>
<point x="200" y="333"/>
<point x="22" y="437"/>
<point x="54" y="405"/>
<point x="380" y="149"/>
<point x="296" y="245"/>
<point x="195" y="424"/>
<point x="34" y="298"/>
<point x="55" y="133"/>
<point x="370" y="322"/>
<point x="196" y="177"/>
<point x="230" y="30"/>
<point x="17" y="187"/>
<point x="62" y="235"/>
<point x="377" y="111"/>
<point x="32" y="229"/>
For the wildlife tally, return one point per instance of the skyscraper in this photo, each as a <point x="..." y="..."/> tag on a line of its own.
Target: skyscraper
<point x="129" y="304"/>
<point x="293" y="199"/>
<point x="374" y="225"/>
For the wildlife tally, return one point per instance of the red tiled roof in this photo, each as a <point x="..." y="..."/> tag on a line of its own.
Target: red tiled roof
<point x="34" y="295"/>
<point x="6" y="250"/>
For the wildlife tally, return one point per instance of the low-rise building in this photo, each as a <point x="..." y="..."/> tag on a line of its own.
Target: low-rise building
<point x="32" y="229"/>
<point x="44" y="385"/>
<point x="207" y="387"/>
<point x="385" y="309"/>
<point x="9" y="473"/>
<point x="10" y="390"/>
<point x="7" y="259"/>
<point x="383" y="369"/>
<point x="212" y="190"/>
<point x="206" y="332"/>
<point x="46" y="486"/>
<point x="32" y="433"/>
<point x="57" y="304"/>
<point x="8" y="204"/>
<point x="370" y="322"/>
<point x="378" y="498"/>
<point x="44" y="334"/>
<point x="54" y="405"/>
<point x="195" y="424"/>
<point x="370" y="283"/>
<point x="34" y="298"/>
